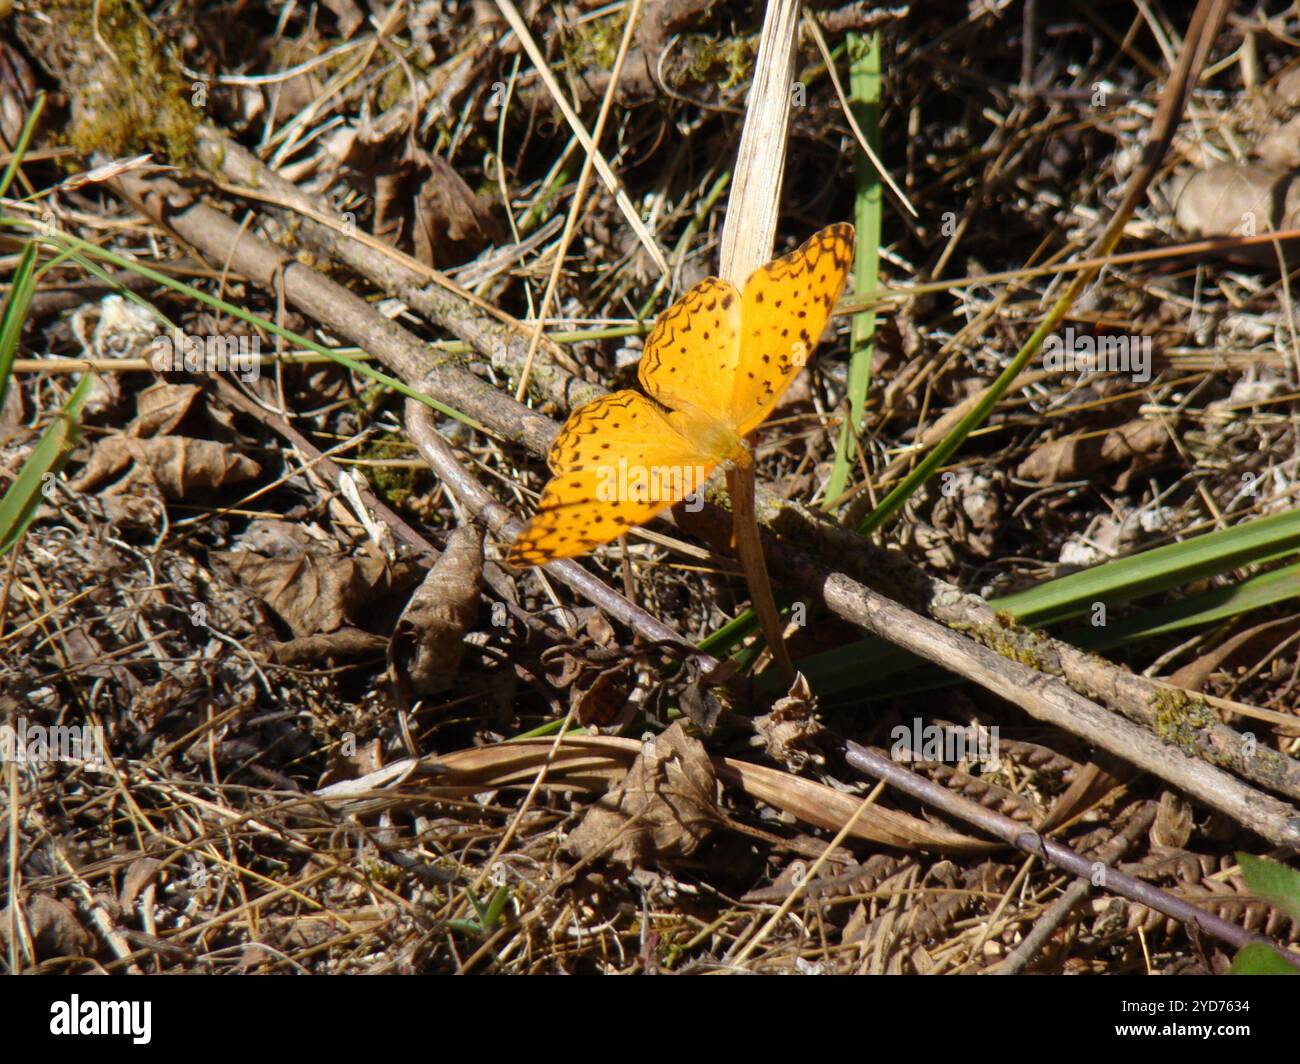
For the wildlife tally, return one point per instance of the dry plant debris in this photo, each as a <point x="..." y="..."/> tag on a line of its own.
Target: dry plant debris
<point x="299" y="656"/>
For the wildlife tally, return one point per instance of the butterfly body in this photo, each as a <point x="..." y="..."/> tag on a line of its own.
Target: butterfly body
<point x="716" y="363"/>
<point x="709" y="436"/>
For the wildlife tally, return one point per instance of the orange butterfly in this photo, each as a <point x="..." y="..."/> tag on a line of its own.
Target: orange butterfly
<point x="719" y="360"/>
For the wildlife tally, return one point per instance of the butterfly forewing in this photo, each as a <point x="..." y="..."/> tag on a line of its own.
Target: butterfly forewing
<point x="785" y="306"/>
<point x="690" y="356"/>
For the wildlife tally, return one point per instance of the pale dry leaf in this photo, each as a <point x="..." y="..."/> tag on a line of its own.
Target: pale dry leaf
<point x="348" y="14"/>
<point x="593" y="762"/>
<point x="13" y="412"/>
<point x="1174" y="821"/>
<point x="427" y="646"/>
<point x="1238" y="199"/>
<point x="178" y="466"/>
<point x="158" y="410"/>
<point x="1286" y="87"/>
<point x="53" y="925"/>
<point x="1280" y="147"/>
<point x="316" y="591"/>
<point x="139" y="874"/>
<point x="1136" y="442"/>
<point x="111" y="169"/>
<point x="791" y="730"/>
<point x="661" y="812"/>
<point x="749" y="229"/>
<point x="17" y="91"/>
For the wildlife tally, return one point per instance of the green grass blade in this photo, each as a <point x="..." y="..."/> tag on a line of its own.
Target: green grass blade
<point x="20" y="149"/>
<point x="1208" y="607"/>
<point x="864" y="96"/>
<point x="1160" y="569"/>
<point x="465" y="927"/>
<point x="496" y="907"/>
<point x="857" y="667"/>
<point x="857" y="670"/>
<point x="730" y="634"/>
<point x="17" y="301"/>
<point x="18" y="505"/>
<point x="488" y="914"/>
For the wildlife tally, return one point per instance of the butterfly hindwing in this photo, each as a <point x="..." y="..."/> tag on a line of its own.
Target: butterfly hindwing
<point x="785" y="307"/>
<point x="571" y="520"/>
<point x="582" y="510"/>
<point x="621" y="425"/>
<point x="617" y="462"/>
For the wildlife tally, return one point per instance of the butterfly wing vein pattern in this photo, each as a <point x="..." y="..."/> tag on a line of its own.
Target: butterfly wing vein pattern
<point x="719" y="360"/>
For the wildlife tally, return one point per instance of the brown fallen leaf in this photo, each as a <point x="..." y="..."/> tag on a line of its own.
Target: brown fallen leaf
<point x="285" y="98"/>
<point x="276" y="538"/>
<point x="348" y="761"/>
<point x="1174" y="821"/>
<point x="597" y="674"/>
<point x="661" y="812"/>
<point x="54" y="927"/>
<point x="132" y="511"/>
<point x="317" y="590"/>
<point x="83" y="650"/>
<point x="450" y="224"/>
<point x="346" y="644"/>
<point x="701" y="706"/>
<point x="158" y="410"/>
<point x="422" y="205"/>
<point x="791" y="730"/>
<point x="428" y="642"/>
<point x="1138" y="442"/>
<point x="601" y="698"/>
<point x="592" y="762"/>
<point x="178" y="466"/>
